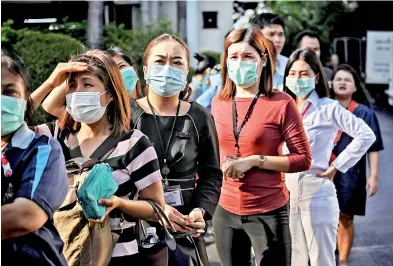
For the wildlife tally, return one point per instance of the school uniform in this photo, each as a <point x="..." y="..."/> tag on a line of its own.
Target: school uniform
<point x="38" y="174"/>
<point x="351" y="186"/>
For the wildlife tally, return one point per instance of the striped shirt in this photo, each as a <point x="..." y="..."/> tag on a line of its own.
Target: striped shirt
<point x="135" y="167"/>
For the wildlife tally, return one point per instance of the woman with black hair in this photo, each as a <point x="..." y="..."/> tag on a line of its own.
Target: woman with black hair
<point x="314" y="210"/>
<point x="128" y="70"/>
<point x="184" y="137"/>
<point x="352" y="186"/>
<point x="33" y="178"/>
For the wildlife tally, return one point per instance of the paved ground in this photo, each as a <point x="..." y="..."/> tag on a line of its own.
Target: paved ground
<point x="374" y="233"/>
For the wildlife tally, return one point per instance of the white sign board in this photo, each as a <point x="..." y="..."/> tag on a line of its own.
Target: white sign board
<point x="379" y="57"/>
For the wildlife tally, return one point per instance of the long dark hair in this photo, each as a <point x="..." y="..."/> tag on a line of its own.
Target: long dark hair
<point x="15" y="64"/>
<point x="358" y="96"/>
<point x="117" y="51"/>
<point x="254" y="37"/>
<point x="311" y="58"/>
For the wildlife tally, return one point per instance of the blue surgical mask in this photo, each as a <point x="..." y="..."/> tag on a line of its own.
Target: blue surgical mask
<point x="166" y="81"/>
<point x="12" y="114"/>
<point x="300" y="86"/>
<point x="129" y="78"/>
<point x="243" y="73"/>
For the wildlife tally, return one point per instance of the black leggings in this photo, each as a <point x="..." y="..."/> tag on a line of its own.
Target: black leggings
<point x="268" y="233"/>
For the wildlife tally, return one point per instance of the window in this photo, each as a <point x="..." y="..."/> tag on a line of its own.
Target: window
<point x="209" y="20"/>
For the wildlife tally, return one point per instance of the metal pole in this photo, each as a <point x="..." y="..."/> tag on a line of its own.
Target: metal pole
<point x="95" y="24"/>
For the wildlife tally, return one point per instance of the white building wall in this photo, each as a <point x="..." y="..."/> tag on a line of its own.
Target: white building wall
<point x="213" y="39"/>
<point x="198" y="38"/>
<point x="193" y="29"/>
<point x="169" y="9"/>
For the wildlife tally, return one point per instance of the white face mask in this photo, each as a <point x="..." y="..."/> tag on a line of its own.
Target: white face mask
<point x="85" y="107"/>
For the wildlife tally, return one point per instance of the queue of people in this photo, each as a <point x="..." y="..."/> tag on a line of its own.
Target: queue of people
<point x="278" y="166"/>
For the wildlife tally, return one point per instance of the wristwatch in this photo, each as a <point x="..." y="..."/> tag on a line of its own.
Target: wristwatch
<point x="261" y="161"/>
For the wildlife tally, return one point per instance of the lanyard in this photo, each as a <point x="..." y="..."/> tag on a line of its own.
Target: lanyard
<point x="165" y="169"/>
<point x="305" y="110"/>
<point x="236" y="132"/>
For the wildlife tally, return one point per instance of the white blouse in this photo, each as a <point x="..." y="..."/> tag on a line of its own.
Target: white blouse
<point x="322" y="121"/>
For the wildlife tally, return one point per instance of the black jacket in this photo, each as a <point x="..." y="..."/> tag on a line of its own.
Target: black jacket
<point x="193" y="151"/>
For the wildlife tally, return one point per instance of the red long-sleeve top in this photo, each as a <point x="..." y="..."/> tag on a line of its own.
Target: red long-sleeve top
<point x="273" y="121"/>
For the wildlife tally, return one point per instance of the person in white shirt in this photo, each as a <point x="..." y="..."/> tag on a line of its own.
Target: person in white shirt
<point x="314" y="211"/>
<point x="273" y="28"/>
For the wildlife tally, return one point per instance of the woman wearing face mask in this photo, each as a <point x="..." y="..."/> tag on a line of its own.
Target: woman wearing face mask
<point x="352" y="186"/>
<point x="314" y="209"/>
<point x="128" y="71"/>
<point x="54" y="104"/>
<point x="184" y="137"/>
<point x="98" y="115"/>
<point x="32" y="168"/>
<point x="252" y="122"/>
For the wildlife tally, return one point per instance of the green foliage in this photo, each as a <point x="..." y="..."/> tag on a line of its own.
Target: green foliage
<point x="7" y="32"/>
<point x="77" y="30"/>
<point x="135" y="41"/>
<point x="41" y="52"/>
<point x="319" y="16"/>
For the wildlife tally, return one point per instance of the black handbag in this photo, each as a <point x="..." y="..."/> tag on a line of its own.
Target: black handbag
<point x="174" y="248"/>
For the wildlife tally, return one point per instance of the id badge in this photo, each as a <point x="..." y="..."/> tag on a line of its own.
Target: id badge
<point x="173" y="196"/>
<point x="228" y="160"/>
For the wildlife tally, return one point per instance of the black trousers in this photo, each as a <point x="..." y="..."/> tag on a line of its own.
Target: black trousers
<point x="268" y="233"/>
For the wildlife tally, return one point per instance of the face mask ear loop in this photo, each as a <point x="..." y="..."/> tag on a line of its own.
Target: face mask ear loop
<point x="108" y="102"/>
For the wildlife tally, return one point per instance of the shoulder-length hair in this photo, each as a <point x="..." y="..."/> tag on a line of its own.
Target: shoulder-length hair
<point x="359" y="96"/>
<point x="116" y="51"/>
<point x="186" y="93"/>
<point x="254" y="37"/>
<point x="311" y="58"/>
<point x="102" y="66"/>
